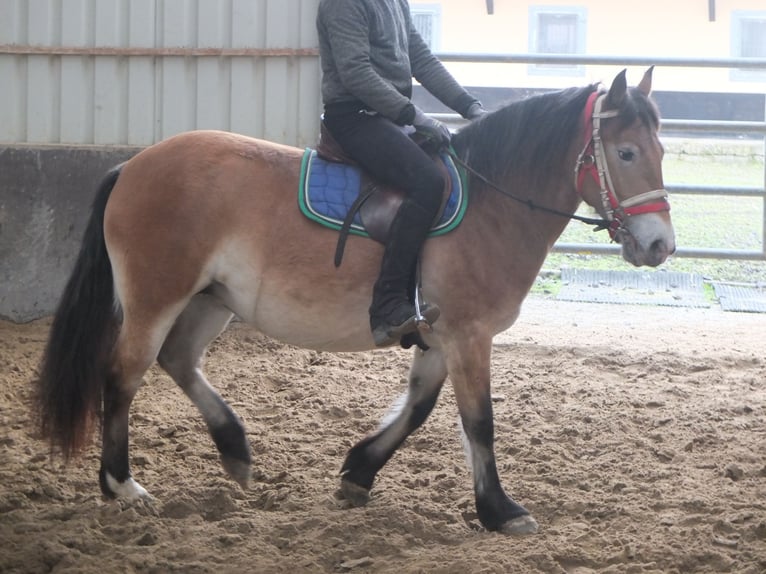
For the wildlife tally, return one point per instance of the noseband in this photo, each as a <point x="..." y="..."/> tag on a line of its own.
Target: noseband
<point x="592" y="160"/>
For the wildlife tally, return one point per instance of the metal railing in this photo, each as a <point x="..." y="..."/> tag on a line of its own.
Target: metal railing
<point x="677" y="126"/>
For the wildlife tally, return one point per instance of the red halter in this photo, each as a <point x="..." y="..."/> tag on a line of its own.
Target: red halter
<point x="592" y="160"/>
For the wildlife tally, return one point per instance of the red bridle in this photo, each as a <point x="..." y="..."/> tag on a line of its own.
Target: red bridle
<point x="592" y="160"/>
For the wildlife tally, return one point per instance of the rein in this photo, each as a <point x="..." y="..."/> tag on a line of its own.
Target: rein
<point x="591" y="159"/>
<point x="599" y="223"/>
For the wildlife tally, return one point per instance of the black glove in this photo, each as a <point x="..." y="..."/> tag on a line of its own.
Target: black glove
<point x="475" y="111"/>
<point x="432" y="129"/>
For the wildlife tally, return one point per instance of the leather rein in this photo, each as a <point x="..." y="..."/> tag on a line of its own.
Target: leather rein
<point x="592" y="160"/>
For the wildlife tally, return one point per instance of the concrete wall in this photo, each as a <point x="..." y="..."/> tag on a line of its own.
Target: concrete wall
<point x="45" y="197"/>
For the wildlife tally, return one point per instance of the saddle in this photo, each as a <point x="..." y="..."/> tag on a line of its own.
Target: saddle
<point x="373" y="210"/>
<point x="336" y="192"/>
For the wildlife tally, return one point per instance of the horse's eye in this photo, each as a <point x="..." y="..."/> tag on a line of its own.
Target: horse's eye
<point x="626" y="155"/>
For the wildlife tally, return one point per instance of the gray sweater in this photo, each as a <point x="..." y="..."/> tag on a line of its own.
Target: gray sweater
<point x="370" y="51"/>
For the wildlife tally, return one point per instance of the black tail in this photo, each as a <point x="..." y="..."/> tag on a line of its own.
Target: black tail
<point x="76" y="360"/>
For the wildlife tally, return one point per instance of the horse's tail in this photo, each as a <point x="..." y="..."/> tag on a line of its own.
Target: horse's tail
<point x="80" y="344"/>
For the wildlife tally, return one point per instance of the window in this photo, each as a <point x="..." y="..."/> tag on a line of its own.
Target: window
<point x="427" y="21"/>
<point x="557" y="30"/>
<point x="748" y="40"/>
<point x="557" y="34"/>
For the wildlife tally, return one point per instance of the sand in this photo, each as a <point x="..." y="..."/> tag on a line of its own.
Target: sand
<point x="635" y="435"/>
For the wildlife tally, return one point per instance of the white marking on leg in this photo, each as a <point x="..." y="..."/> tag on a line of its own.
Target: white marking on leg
<point x="467" y="450"/>
<point x="128" y="490"/>
<point x="391" y="428"/>
<point x="472" y="459"/>
<point x="394" y="412"/>
<point x="207" y="400"/>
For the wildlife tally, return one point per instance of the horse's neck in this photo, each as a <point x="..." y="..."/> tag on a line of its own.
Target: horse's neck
<point x="531" y="184"/>
<point x="524" y="192"/>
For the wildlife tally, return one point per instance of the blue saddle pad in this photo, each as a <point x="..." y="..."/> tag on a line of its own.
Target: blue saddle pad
<point x="328" y="189"/>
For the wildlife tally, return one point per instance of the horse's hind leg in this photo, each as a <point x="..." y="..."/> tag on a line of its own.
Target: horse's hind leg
<point x="135" y="351"/>
<point x="114" y="475"/>
<point x="366" y="458"/>
<point x="181" y="356"/>
<point x="470" y="375"/>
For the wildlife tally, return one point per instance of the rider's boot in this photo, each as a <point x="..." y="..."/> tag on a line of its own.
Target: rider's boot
<point x="392" y="314"/>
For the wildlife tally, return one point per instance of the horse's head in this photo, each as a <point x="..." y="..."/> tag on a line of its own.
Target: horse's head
<point x="623" y="156"/>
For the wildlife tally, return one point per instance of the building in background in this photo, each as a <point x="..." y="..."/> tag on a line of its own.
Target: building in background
<point x="700" y="29"/>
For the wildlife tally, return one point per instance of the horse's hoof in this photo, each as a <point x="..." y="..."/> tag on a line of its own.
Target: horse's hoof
<point x="237" y="469"/>
<point x="126" y="490"/>
<point x="355" y="494"/>
<point x="521" y="526"/>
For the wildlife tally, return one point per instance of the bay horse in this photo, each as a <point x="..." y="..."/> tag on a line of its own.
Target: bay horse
<point x="204" y="226"/>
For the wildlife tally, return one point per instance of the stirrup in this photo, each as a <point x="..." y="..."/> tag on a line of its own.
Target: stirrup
<point x="420" y="323"/>
<point x="386" y="334"/>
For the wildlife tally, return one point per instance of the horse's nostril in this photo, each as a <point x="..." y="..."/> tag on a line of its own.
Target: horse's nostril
<point x="660" y="250"/>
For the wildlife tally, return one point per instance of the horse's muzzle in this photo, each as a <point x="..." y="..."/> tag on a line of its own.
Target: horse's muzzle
<point x="652" y="254"/>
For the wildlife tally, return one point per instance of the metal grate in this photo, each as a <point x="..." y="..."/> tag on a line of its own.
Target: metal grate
<point x="746" y="298"/>
<point x="633" y="287"/>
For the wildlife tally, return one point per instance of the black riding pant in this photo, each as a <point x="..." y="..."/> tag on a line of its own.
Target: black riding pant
<point x="381" y="148"/>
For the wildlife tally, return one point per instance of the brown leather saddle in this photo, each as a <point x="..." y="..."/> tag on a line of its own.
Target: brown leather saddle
<point x="377" y="203"/>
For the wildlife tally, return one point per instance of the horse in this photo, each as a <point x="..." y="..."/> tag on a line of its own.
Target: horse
<point x="204" y="226"/>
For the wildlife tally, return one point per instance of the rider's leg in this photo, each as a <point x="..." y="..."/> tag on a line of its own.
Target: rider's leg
<point x="387" y="153"/>
<point x="392" y="314"/>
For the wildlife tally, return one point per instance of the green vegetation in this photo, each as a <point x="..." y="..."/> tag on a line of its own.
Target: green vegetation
<point x="700" y="221"/>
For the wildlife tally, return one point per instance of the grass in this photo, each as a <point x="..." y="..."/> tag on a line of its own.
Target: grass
<point x="700" y="221"/>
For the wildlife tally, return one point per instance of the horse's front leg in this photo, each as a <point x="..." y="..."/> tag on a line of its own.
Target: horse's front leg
<point x="366" y="458"/>
<point x="469" y="371"/>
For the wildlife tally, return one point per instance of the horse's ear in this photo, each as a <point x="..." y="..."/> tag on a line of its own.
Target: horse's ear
<point x="617" y="91"/>
<point x="646" y="82"/>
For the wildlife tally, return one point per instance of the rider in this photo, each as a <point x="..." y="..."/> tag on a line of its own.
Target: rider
<point x="370" y="51"/>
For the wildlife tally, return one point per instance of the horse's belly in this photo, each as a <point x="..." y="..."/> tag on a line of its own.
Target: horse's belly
<point x="312" y="327"/>
<point x="297" y="310"/>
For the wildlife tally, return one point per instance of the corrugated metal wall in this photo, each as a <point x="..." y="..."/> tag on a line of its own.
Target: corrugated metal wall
<point x="133" y="72"/>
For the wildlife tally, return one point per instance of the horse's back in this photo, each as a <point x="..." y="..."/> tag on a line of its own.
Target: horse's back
<point x="200" y="178"/>
<point x="200" y="158"/>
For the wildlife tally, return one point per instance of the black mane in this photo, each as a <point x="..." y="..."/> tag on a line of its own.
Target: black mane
<point x="524" y="142"/>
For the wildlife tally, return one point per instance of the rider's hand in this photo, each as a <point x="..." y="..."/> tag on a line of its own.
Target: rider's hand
<point x="431" y="128"/>
<point x="475" y="111"/>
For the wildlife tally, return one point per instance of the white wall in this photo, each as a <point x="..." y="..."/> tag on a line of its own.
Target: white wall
<point x="106" y="84"/>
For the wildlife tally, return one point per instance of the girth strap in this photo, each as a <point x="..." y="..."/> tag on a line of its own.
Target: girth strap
<point x="363" y="196"/>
